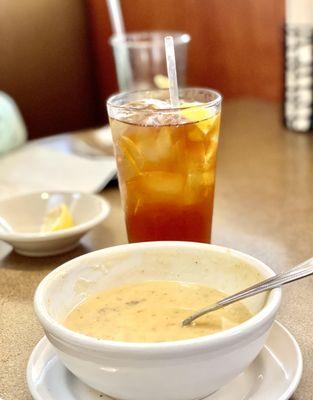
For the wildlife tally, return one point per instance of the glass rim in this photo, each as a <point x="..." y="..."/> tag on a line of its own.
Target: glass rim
<point x="139" y="41"/>
<point x="117" y="96"/>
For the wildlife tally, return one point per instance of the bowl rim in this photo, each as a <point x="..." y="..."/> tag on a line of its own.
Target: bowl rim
<point x="215" y="340"/>
<point x="77" y="229"/>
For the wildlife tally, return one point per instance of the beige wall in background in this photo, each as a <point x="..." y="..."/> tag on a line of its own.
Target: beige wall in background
<point x="45" y="63"/>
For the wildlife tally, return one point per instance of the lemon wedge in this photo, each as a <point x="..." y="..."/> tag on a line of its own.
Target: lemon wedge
<point x="57" y="219"/>
<point x="161" y="81"/>
<point x="194" y="112"/>
<point x="201" y="115"/>
<point x="131" y="153"/>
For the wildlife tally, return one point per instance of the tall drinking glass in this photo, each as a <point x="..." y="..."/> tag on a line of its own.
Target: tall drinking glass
<point x="166" y="161"/>
<point x="140" y="59"/>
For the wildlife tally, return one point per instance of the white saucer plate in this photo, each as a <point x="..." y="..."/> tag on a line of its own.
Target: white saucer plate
<point x="274" y="374"/>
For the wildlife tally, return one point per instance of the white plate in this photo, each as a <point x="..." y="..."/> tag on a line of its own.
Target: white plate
<point x="274" y="375"/>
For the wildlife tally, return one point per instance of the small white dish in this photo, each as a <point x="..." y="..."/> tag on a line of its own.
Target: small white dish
<point x="179" y="370"/>
<point x="21" y="218"/>
<point x="273" y="375"/>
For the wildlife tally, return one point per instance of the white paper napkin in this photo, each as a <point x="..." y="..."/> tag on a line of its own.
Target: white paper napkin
<point x="37" y="167"/>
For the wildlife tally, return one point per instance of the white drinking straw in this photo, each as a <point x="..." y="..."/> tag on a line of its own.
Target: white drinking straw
<point x="116" y="17"/>
<point x="171" y="70"/>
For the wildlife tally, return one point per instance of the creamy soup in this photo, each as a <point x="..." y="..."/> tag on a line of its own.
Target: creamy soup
<point x="153" y="311"/>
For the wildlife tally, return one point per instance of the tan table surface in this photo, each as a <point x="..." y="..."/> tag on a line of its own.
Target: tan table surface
<point x="264" y="206"/>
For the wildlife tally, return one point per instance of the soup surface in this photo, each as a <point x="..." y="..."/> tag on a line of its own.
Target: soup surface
<point x="153" y="311"/>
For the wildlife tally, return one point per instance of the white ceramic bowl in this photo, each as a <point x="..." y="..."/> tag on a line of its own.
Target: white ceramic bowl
<point x="179" y="370"/>
<point x="21" y="218"/>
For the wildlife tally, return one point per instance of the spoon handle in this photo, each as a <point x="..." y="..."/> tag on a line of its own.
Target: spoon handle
<point x="300" y="271"/>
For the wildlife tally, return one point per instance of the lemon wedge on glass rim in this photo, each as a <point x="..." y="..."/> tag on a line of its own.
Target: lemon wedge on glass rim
<point x="57" y="219"/>
<point x="202" y="116"/>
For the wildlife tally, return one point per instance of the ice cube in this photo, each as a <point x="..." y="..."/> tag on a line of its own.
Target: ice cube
<point x="197" y="185"/>
<point x="163" y="119"/>
<point x="163" y="183"/>
<point x="150" y="112"/>
<point x="179" y="153"/>
<point x="210" y="153"/>
<point x="137" y="105"/>
<point x="152" y="120"/>
<point x="157" y="104"/>
<point x="148" y="104"/>
<point x="195" y="156"/>
<point x="155" y="144"/>
<point x="214" y="129"/>
<point x="204" y="130"/>
<point x="122" y="129"/>
<point x="141" y="112"/>
<point x="164" y="143"/>
<point x="146" y="142"/>
<point x="195" y="134"/>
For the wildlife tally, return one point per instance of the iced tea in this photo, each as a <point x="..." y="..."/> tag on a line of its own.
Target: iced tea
<point x="166" y="167"/>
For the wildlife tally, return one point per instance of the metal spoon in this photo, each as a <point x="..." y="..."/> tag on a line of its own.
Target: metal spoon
<point x="298" y="272"/>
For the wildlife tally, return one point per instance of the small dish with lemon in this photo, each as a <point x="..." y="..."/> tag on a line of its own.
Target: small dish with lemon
<point x="47" y="223"/>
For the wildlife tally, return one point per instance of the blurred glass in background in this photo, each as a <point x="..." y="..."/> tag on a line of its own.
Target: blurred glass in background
<point x="140" y="59"/>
